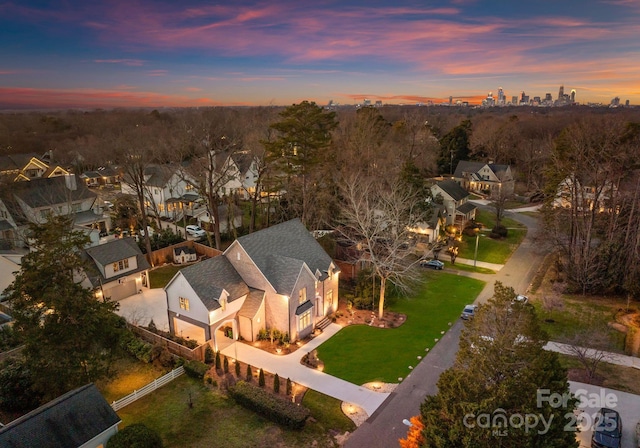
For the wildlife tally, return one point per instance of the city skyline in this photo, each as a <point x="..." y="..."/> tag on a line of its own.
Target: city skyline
<point x="198" y="53"/>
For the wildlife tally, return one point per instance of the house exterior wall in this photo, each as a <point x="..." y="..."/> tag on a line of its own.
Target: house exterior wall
<point x="108" y="270"/>
<point x="278" y="312"/>
<point x="179" y="287"/>
<point x="250" y="327"/>
<point x="305" y="281"/>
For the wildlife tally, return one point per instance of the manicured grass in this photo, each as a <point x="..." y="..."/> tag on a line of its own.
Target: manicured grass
<point x="489" y="220"/>
<point x="490" y="250"/>
<point x="159" y="277"/>
<point x="128" y="374"/>
<point x="625" y="379"/>
<point x="467" y="268"/>
<point x="327" y="411"/>
<point x="360" y="353"/>
<point x="214" y="420"/>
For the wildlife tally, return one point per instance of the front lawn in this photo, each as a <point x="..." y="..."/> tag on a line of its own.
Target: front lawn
<point x="186" y="413"/>
<point x="490" y="250"/>
<point x="360" y="353"/>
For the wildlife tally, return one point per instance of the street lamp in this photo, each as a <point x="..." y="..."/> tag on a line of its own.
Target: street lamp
<point x="475" y="255"/>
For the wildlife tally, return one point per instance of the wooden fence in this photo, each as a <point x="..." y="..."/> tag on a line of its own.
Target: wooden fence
<point x="165" y="255"/>
<point x="137" y="394"/>
<point x="173" y="347"/>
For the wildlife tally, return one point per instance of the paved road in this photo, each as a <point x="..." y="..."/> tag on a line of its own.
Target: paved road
<point x="385" y="427"/>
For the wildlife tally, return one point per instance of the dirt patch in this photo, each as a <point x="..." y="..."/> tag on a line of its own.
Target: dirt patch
<point x="582" y="376"/>
<point x="631" y="322"/>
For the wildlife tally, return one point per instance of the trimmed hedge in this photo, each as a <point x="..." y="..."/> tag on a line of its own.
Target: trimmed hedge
<point x="195" y="369"/>
<point x="270" y="406"/>
<point x="137" y="435"/>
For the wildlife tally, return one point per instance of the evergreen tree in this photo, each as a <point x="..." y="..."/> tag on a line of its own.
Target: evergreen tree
<point x="276" y="384"/>
<point x="501" y="375"/>
<point x="226" y="365"/>
<point x="249" y="374"/>
<point x="237" y="369"/>
<point x="454" y="147"/>
<point x="289" y="387"/>
<point x="261" y="378"/>
<point x="218" y="364"/>
<point x="69" y="335"/>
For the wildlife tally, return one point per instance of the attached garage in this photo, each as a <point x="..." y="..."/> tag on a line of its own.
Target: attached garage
<point x="188" y="331"/>
<point x="121" y="290"/>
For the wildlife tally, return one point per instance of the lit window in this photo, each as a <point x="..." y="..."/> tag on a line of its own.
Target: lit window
<point x="304" y="320"/>
<point x="302" y="296"/>
<point x="184" y="304"/>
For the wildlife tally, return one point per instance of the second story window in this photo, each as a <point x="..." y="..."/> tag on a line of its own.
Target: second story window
<point x="120" y="265"/>
<point x="184" y="303"/>
<point x="302" y="296"/>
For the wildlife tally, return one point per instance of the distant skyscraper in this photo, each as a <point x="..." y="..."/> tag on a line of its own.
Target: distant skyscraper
<point x="573" y="95"/>
<point x="561" y="93"/>
<point x="514" y="100"/>
<point x="501" y="99"/>
<point x="548" y="98"/>
<point x="450" y="100"/>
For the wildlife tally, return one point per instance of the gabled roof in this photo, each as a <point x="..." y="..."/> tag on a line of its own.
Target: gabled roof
<point x="468" y="166"/>
<point x="210" y="277"/>
<point x="453" y="189"/>
<point x="284" y="246"/>
<point x="159" y="175"/>
<point x="69" y="421"/>
<point x="243" y="161"/>
<point x="252" y="304"/>
<point x="183" y="250"/>
<point x="11" y="162"/>
<point x="466" y="208"/>
<point x="46" y="192"/>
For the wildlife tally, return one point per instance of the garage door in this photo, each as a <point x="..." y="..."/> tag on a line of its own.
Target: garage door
<point x="121" y="291"/>
<point x="188" y="331"/>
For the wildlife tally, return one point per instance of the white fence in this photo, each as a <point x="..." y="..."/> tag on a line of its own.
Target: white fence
<point x="119" y="404"/>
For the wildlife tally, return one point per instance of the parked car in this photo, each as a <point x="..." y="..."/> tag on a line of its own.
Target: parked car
<point x="607" y="429"/>
<point x="433" y="264"/>
<point x="194" y="230"/>
<point x="469" y="312"/>
<point x="521" y="299"/>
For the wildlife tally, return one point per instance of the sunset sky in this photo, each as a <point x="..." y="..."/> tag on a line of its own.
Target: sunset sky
<point x="154" y="53"/>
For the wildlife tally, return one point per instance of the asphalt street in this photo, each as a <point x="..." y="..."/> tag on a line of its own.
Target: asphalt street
<point x="384" y="428"/>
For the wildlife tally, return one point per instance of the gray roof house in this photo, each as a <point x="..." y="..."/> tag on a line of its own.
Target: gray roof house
<point x="116" y="270"/>
<point x="279" y="278"/>
<point x="455" y="200"/>
<point x="486" y="178"/>
<point x="81" y="418"/>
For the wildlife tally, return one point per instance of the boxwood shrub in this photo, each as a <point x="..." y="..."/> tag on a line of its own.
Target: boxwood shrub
<point x="268" y="405"/>
<point x="195" y="369"/>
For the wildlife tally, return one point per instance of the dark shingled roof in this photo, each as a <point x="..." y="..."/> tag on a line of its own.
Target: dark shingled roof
<point x="468" y="166"/>
<point x="68" y="421"/>
<point x="252" y="304"/>
<point x="12" y="162"/>
<point x="466" y="208"/>
<point x="453" y="189"/>
<point x="209" y="277"/>
<point x="42" y="192"/>
<point x="280" y="248"/>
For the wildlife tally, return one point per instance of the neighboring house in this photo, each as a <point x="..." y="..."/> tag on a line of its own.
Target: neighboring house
<point x="247" y="173"/>
<point x="429" y="231"/>
<point x="277" y="278"/>
<point x="103" y="176"/>
<point x="583" y="195"/>
<point x="24" y="167"/>
<point x="9" y="265"/>
<point x="486" y="178"/>
<point x="204" y="220"/>
<point x="36" y="200"/>
<point x="168" y="193"/>
<point x="458" y="211"/>
<point x="184" y="254"/>
<point x="117" y="270"/>
<point x="81" y="418"/>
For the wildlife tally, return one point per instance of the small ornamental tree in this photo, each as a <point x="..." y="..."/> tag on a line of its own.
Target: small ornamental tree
<point x="249" y="375"/>
<point x="226" y="365"/>
<point x="276" y="384"/>
<point x="289" y="386"/>
<point x="261" y="378"/>
<point x="209" y="356"/>
<point x="218" y="365"/>
<point x="237" y="369"/>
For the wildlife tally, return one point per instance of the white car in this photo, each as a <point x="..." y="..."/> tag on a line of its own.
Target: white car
<point x="469" y="311"/>
<point x="194" y="230"/>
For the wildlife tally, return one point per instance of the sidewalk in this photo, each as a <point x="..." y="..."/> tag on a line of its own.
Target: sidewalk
<point x="611" y="358"/>
<point x="480" y="264"/>
<point x="289" y="366"/>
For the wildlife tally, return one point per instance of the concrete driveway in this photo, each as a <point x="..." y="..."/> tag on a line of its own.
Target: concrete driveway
<point x="141" y="308"/>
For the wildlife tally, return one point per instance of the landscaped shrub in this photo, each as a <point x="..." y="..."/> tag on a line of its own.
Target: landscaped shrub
<point x="225" y="365"/>
<point x="137" y="347"/>
<point x="237" y="369"/>
<point x="261" y="378"/>
<point x="195" y="369"/>
<point x="249" y="375"/>
<point x="270" y="406"/>
<point x="499" y="232"/>
<point x="276" y="384"/>
<point x="137" y="435"/>
<point x="161" y="356"/>
<point x="209" y="356"/>
<point x="289" y="387"/>
<point x="218" y="360"/>
<point x="16" y="387"/>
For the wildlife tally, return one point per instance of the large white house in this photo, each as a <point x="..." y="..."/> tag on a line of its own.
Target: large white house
<point x="277" y="278"/>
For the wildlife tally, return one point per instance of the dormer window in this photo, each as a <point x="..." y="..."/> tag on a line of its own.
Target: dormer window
<point x="120" y="265"/>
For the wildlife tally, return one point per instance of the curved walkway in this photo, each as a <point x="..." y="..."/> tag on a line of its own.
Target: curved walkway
<point x="289" y="366"/>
